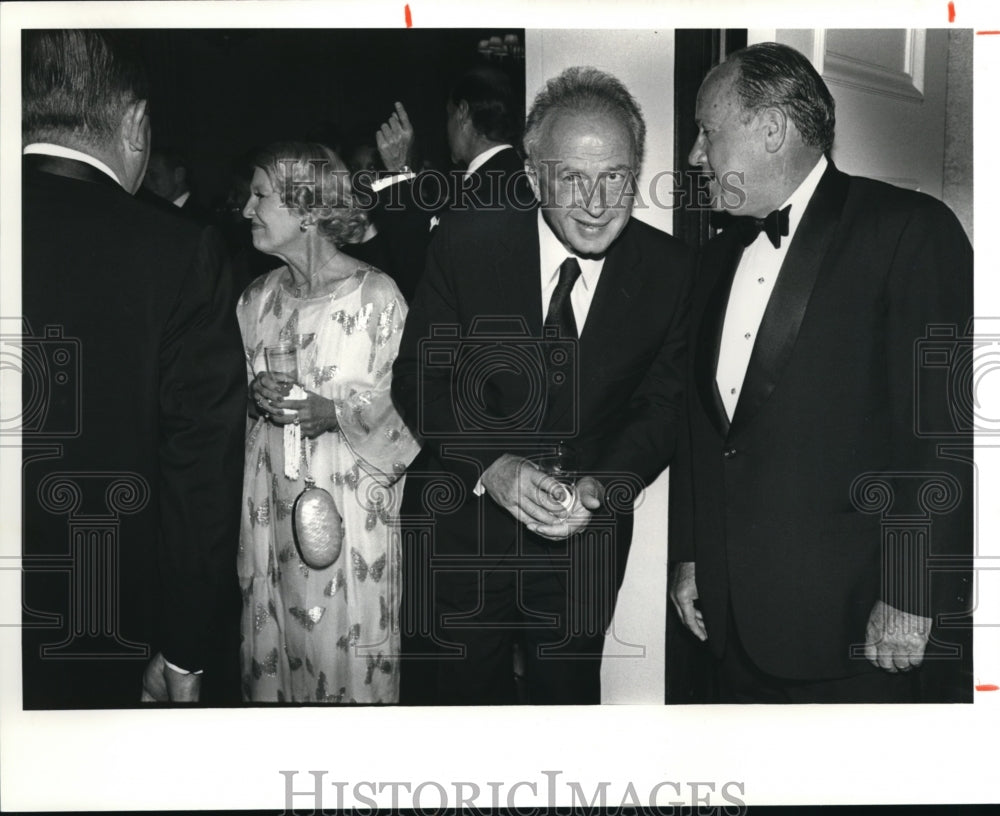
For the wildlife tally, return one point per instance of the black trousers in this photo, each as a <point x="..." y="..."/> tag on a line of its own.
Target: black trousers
<point x="555" y="601"/>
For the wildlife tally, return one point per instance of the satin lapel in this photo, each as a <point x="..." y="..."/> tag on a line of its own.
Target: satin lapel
<point x="787" y="307"/>
<point x="709" y="335"/>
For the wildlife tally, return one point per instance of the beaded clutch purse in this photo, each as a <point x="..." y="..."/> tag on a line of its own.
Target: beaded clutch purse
<point x="319" y="529"/>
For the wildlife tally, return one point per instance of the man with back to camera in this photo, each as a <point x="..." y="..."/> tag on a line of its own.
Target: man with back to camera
<point x="155" y="458"/>
<point x="802" y="401"/>
<point x="483" y="118"/>
<point x="489" y="552"/>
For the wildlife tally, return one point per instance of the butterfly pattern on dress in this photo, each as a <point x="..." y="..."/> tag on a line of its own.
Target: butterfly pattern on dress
<point x="268" y="303"/>
<point x="351" y="638"/>
<point x="323" y="375"/>
<point x="282" y="507"/>
<point x="362" y="570"/>
<point x="269" y="666"/>
<point x="383" y="613"/>
<point x="253" y="352"/>
<point x="308" y="618"/>
<point x="337" y="583"/>
<point x="263" y="459"/>
<point x="378" y="662"/>
<point x="348" y="479"/>
<point x="323" y="697"/>
<point x="290" y="329"/>
<point x="260" y="617"/>
<point x="352" y="323"/>
<point x="259" y="513"/>
<point x="273" y="572"/>
<point x="377" y="512"/>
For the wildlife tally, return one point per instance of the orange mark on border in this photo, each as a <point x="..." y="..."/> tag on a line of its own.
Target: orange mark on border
<point x="951" y="12"/>
<point x="988" y="32"/>
<point x="988" y="687"/>
<point x="409" y="17"/>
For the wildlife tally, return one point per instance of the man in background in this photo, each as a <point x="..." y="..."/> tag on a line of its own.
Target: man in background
<point x="133" y="464"/>
<point x="167" y="177"/>
<point x="483" y="124"/>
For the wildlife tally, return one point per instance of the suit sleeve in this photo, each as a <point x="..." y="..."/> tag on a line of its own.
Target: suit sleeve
<point x="426" y="395"/>
<point x="930" y="284"/>
<point x="645" y="441"/>
<point x="202" y="411"/>
<point x="402" y="216"/>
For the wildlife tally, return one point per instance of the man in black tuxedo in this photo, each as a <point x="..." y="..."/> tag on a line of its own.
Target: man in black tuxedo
<point x="559" y="325"/>
<point x="483" y="118"/>
<point x="812" y="504"/>
<point x="133" y="453"/>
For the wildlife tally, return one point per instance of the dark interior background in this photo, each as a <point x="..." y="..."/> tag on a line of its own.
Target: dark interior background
<point x="219" y="95"/>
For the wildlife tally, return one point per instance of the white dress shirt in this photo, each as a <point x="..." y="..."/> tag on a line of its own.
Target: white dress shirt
<point x="552" y="253"/>
<point x="48" y="149"/>
<point x="753" y="284"/>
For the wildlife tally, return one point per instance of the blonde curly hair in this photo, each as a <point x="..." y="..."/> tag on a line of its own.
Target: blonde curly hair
<point x="312" y="179"/>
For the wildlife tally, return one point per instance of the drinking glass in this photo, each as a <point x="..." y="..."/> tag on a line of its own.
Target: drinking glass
<point x="562" y="464"/>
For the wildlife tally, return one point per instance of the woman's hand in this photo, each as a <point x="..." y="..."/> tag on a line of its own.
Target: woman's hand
<point x="266" y="391"/>
<point x="314" y="414"/>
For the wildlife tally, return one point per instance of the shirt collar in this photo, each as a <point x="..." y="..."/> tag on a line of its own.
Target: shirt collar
<point x="49" y="149"/>
<point x="803" y="194"/>
<point x="484" y="157"/>
<point x="552" y="253"/>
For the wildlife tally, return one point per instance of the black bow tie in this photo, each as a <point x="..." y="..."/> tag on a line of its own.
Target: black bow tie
<point x="775" y="224"/>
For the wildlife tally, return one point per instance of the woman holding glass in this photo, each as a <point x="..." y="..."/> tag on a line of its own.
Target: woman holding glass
<point x="329" y="328"/>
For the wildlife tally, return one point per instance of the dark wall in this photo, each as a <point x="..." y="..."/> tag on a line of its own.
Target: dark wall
<point x="218" y="95"/>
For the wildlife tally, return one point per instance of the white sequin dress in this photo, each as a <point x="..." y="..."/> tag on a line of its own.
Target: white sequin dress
<point x="326" y="635"/>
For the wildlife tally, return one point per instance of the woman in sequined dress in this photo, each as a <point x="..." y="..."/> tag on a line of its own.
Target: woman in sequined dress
<point x="319" y="635"/>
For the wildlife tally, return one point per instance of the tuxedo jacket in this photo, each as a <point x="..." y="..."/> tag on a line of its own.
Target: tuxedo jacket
<point x="132" y="463"/>
<point x="472" y="383"/>
<point x="405" y="213"/>
<point x="818" y="498"/>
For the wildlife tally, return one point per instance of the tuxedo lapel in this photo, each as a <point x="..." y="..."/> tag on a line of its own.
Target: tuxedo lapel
<point x="786" y="309"/>
<point x="709" y="336"/>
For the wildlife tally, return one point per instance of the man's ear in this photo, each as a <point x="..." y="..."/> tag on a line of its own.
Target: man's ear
<point x="532" y="174"/>
<point x="775" y="123"/>
<point x="135" y="130"/>
<point x="463" y="111"/>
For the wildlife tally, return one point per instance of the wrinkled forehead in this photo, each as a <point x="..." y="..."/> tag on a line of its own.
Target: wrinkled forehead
<point x="717" y="97"/>
<point x="576" y="135"/>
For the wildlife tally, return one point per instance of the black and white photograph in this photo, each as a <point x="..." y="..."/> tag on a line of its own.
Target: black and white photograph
<point x="546" y="406"/>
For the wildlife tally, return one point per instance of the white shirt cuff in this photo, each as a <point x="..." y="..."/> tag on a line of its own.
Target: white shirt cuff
<point x="382" y="183"/>
<point x="178" y="669"/>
